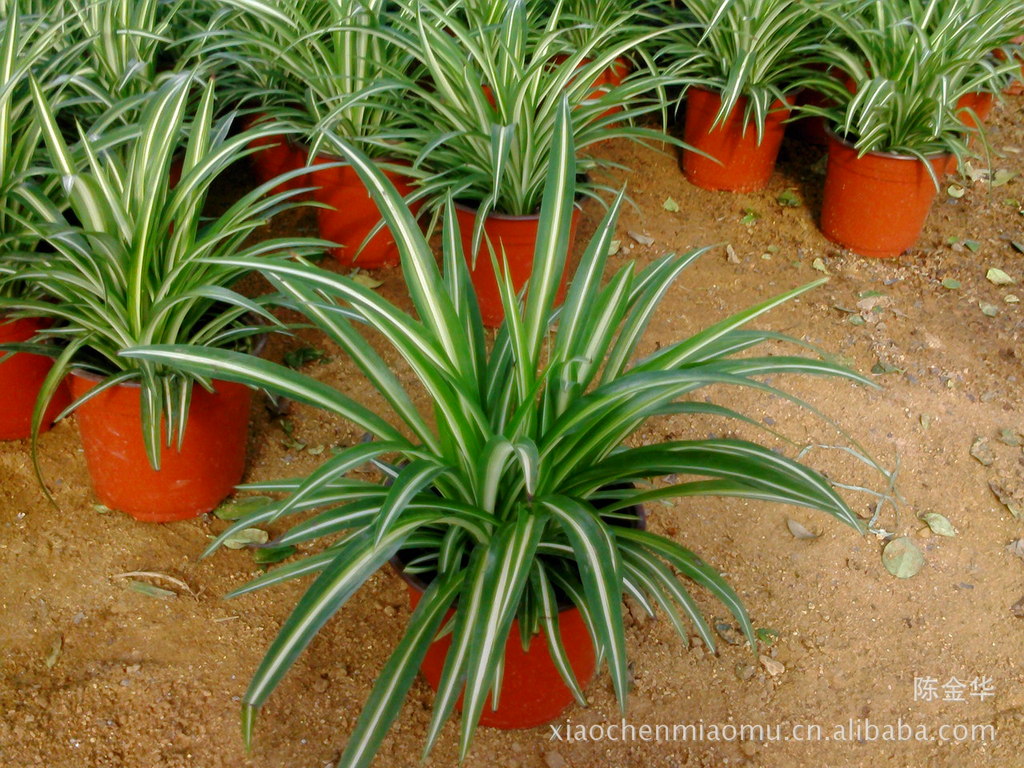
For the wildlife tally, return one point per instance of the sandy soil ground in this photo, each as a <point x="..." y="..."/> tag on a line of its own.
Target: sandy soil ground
<point x="96" y="674"/>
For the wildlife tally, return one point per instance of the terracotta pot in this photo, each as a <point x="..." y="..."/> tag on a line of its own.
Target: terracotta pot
<point x="532" y="690"/>
<point x="744" y="165"/>
<point x="189" y="482"/>
<point x="276" y="155"/>
<point x="876" y="205"/>
<point x="516" y="237"/>
<point x="353" y="214"/>
<point x="21" y="376"/>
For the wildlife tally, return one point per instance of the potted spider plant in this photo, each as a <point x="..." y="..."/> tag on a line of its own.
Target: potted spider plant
<point x="483" y="123"/>
<point x="515" y="502"/>
<point x="316" y="68"/>
<point x="141" y="264"/>
<point x="125" y="47"/>
<point x="26" y="44"/>
<point x="904" y="113"/>
<point x="746" y="60"/>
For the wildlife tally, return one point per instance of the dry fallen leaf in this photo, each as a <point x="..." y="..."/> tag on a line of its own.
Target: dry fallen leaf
<point x="998" y="277"/>
<point x="54" y="654"/>
<point x="640" y="238"/>
<point x="982" y="451"/>
<point x="798" y="530"/>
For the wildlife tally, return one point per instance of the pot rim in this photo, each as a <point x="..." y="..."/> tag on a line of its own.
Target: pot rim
<point x="577" y="207"/>
<point x="786" y="103"/>
<point x="891" y="155"/>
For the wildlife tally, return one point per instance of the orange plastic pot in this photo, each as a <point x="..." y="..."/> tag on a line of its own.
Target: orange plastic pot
<point x="353" y="214"/>
<point x="876" y="205"/>
<point x="1017" y="86"/>
<point x="21" y="376"/>
<point x="743" y="164"/>
<point x="189" y="482"/>
<point x="532" y="690"/>
<point x="276" y="155"/>
<point x="973" y="110"/>
<point x="513" y="238"/>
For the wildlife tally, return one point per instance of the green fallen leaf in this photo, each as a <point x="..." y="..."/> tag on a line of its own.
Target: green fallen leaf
<point x="819" y="265"/>
<point x="297" y="358"/>
<point x="151" y="591"/>
<point x="989" y="310"/>
<point x="1010" y="437"/>
<point x="236" y="509"/>
<point x="1001" y="177"/>
<point x="365" y="280"/>
<point x="973" y="245"/>
<point x="882" y="367"/>
<point x="855" y="320"/>
<point x="246" y="537"/>
<point x="1011" y="298"/>
<point x="613" y="247"/>
<point x="789" y="199"/>
<point x="955" y="190"/>
<point x="870" y="294"/>
<point x="670" y="205"/>
<point x="926" y="421"/>
<point x="951" y="284"/>
<point x="939" y="524"/>
<point x="998" y="277"/>
<point x="103" y="509"/>
<point x="750" y="216"/>
<point x="766" y="636"/>
<point x="1017" y="246"/>
<point x="268" y="555"/>
<point x="902" y="558"/>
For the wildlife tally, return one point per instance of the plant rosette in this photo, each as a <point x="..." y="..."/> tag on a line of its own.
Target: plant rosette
<point x="513" y="477"/>
<point x="21" y="377"/>
<point x="876" y="204"/>
<point x="513" y="240"/>
<point x="349" y="216"/>
<point x="739" y="156"/>
<point x="194" y="476"/>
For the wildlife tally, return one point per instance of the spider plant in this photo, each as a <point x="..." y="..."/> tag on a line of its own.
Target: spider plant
<point x="142" y="264"/>
<point x="753" y="52"/>
<point x="509" y="494"/>
<point x="316" y="66"/>
<point x="483" y="126"/>
<point x="27" y="46"/>
<point x="127" y="47"/>
<point x="908" y="64"/>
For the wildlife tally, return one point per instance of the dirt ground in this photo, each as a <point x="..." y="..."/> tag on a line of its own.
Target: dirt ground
<point x="94" y="673"/>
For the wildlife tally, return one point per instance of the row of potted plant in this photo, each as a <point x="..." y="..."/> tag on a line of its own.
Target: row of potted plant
<point x="519" y="494"/>
<point x="903" y="88"/>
